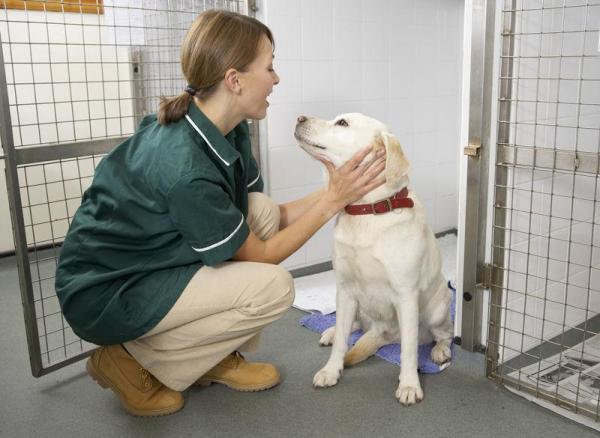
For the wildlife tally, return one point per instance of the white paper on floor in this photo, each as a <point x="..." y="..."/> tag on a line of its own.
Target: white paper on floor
<point x="316" y="293"/>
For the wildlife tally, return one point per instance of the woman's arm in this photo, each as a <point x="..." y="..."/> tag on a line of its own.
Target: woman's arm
<point x="291" y="211"/>
<point x="346" y="184"/>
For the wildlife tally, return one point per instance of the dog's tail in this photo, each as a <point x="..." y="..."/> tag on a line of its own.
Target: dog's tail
<point x="366" y="346"/>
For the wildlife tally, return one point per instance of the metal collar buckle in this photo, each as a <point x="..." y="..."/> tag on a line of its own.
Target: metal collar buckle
<point x="389" y="204"/>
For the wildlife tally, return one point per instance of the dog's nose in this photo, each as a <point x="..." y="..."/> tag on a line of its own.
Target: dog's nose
<point x="301" y="119"/>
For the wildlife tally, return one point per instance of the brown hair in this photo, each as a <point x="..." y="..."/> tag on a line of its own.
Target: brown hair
<point x="216" y="41"/>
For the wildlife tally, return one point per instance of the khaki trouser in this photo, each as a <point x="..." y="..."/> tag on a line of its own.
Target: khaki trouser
<point x="222" y="309"/>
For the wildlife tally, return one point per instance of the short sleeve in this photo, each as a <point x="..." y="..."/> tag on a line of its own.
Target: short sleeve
<point x="207" y="218"/>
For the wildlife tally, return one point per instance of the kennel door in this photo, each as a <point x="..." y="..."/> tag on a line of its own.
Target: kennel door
<point x="544" y="315"/>
<point x="74" y="82"/>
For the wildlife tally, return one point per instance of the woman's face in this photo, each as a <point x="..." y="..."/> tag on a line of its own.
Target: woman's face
<point x="257" y="82"/>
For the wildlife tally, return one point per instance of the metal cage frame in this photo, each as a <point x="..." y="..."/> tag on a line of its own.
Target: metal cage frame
<point x="527" y="273"/>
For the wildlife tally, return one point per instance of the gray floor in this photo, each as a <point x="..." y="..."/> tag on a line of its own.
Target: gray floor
<point x="460" y="402"/>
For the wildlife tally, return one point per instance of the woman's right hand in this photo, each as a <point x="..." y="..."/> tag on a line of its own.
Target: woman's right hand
<point x="355" y="178"/>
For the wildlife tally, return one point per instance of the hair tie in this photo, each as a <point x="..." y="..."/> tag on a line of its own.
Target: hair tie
<point x="191" y="90"/>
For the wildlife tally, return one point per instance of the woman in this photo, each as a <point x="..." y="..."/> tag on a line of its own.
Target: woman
<point x="170" y="262"/>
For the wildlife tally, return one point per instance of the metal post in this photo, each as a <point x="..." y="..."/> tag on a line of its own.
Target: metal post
<point x="499" y="219"/>
<point x="478" y="151"/>
<point x="16" y="212"/>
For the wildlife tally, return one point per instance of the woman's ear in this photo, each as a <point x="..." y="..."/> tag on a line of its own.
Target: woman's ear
<point x="232" y="80"/>
<point x="396" y="163"/>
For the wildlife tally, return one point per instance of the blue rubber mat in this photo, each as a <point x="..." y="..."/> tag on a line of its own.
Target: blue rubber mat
<point x="391" y="352"/>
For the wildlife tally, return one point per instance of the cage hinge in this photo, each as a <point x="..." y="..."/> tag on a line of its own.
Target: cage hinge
<point x="252" y="5"/>
<point x="486" y="272"/>
<point x="472" y="150"/>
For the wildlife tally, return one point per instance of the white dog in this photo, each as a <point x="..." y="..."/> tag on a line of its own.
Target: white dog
<point x="387" y="264"/>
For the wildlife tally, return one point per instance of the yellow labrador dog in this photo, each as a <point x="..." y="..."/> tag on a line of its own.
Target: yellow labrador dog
<point x="386" y="260"/>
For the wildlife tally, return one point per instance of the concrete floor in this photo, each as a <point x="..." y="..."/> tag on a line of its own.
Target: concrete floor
<point x="459" y="402"/>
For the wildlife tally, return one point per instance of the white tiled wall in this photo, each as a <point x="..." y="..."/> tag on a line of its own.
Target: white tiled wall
<point x="566" y="292"/>
<point x="396" y="60"/>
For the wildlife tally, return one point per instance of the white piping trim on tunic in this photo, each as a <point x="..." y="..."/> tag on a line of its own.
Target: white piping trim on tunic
<point x="205" y="139"/>
<point x="256" y="179"/>
<point x="214" y="245"/>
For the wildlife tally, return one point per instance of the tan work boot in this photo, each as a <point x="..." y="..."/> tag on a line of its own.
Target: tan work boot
<point x="236" y="373"/>
<point x="140" y="393"/>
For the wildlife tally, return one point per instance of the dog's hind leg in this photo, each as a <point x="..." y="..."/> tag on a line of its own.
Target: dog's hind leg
<point x="366" y="346"/>
<point x="442" y="334"/>
<point x="329" y="334"/>
<point x="441" y="325"/>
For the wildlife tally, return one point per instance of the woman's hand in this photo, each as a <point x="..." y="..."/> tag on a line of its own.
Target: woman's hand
<point x="346" y="185"/>
<point x="355" y="178"/>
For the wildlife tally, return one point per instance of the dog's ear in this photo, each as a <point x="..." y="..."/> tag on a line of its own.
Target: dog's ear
<point x="396" y="164"/>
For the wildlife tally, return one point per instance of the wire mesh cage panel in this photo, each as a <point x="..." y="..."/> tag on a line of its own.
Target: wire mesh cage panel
<point x="77" y="78"/>
<point x="50" y="194"/>
<point x="545" y="306"/>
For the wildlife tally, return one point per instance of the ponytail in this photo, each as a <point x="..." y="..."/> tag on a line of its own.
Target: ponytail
<point x="172" y="109"/>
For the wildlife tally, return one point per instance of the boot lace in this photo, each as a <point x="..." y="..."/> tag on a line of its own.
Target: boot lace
<point x="238" y="357"/>
<point x="146" y="378"/>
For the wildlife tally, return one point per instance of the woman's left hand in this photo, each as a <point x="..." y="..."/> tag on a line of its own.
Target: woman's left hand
<point x="355" y="178"/>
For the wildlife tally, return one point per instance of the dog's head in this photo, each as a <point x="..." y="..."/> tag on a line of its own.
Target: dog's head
<point x="339" y="139"/>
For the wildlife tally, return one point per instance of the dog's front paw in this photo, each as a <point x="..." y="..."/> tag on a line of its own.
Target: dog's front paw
<point x="327" y="336"/>
<point x="326" y="377"/>
<point x="409" y="395"/>
<point x="441" y="353"/>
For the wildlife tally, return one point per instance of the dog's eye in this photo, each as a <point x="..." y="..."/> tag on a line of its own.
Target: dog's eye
<point x="341" y="122"/>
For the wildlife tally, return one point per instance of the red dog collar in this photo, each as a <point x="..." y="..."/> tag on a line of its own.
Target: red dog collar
<point x="399" y="200"/>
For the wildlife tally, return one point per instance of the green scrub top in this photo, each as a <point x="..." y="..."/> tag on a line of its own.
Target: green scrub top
<point x="167" y="201"/>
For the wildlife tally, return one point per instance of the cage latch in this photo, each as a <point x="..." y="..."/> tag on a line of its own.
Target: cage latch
<point x="472" y="150"/>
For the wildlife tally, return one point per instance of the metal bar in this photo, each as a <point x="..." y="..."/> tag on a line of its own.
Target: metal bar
<point x="524" y="78"/>
<point x="18" y="225"/>
<point x="251" y="9"/>
<point x="537" y="192"/>
<point x="482" y="40"/>
<point x="551" y="101"/>
<point x="549" y="125"/>
<point x="550" y="56"/>
<point x="548" y="159"/>
<point x="254" y="140"/>
<point x="63" y="363"/>
<point x="139" y="91"/>
<point x="569" y="248"/>
<point x="503" y="135"/>
<point x="544" y="8"/>
<point x="62" y="151"/>
<point x="548" y="32"/>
